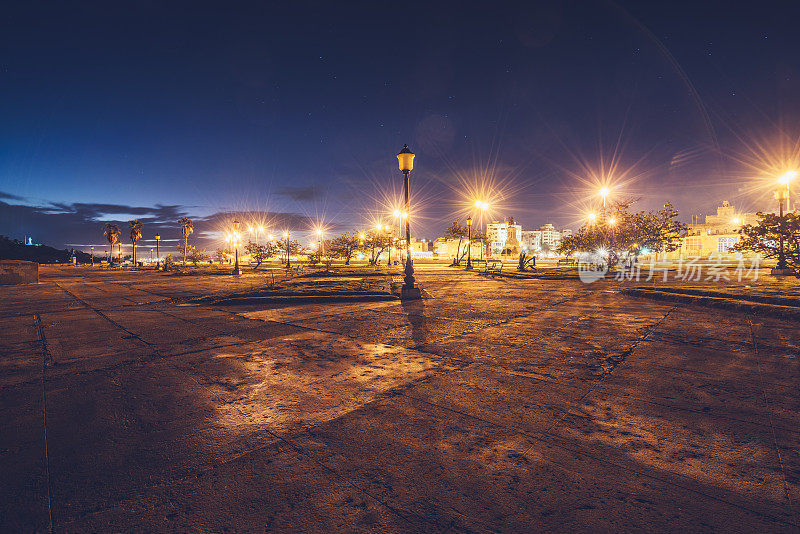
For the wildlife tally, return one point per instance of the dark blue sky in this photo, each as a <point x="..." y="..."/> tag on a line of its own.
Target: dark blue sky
<point x="298" y="108"/>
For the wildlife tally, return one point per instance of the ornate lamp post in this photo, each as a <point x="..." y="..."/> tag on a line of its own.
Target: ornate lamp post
<point x="236" y="246"/>
<point x="469" y="243"/>
<point x="158" y="256"/>
<point x="409" y="290"/>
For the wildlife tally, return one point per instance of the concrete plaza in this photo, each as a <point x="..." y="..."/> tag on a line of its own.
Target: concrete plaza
<point x="495" y="405"/>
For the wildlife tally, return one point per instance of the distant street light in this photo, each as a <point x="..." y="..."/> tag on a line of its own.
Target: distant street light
<point x="321" y="244"/>
<point x="158" y="256"/>
<point x="781" y="194"/>
<point x="591" y="217"/>
<point x="255" y="230"/>
<point x="236" y="270"/>
<point x="286" y="235"/>
<point x="92" y="249"/>
<point x="405" y="160"/>
<point x="483" y="206"/>
<point x="469" y="243"/>
<point x="604" y="192"/>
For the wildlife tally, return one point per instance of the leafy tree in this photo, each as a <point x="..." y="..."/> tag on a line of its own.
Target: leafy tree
<point x="112" y="233"/>
<point x="764" y="237"/>
<point x="260" y="252"/>
<point x="136" y="233"/>
<point x="376" y="242"/>
<point x="196" y="256"/>
<point x="344" y="246"/>
<point x="478" y="237"/>
<point x="294" y="248"/>
<point x="456" y="231"/>
<point x="187" y="227"/>
<point x="220" y="255"/>
<point x="622" y="232"/>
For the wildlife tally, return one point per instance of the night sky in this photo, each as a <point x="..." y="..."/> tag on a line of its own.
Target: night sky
<point x="294" y="111"/>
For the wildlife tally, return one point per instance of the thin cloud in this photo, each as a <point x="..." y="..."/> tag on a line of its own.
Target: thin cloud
<point x="9" y="196"/>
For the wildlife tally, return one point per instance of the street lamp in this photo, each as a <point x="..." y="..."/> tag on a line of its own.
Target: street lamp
<point x="405" y="160"/>
<point x="286" y="234"/>
<point x="236" y="246"/>
<point x="591" y="217"/>
<point x="320" y="243"/>
<point x="781" y="194"/>
<point x="469" y="243"/>
<point x="483" y="206"/>
<point x="158" y="256"/>
<point x="92" y="249"/>
<point x="604" y="191"/>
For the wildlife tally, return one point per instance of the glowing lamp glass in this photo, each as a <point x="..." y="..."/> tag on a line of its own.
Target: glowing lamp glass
<point x="405" y="159"/>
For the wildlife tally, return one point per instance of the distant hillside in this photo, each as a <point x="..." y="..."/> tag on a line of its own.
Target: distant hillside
<point x="13" y="249"/>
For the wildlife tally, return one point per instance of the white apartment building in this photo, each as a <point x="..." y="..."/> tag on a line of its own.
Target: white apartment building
<point x="530" y="240"/>
<point x="552" y="237"/>
<point x="497" y="234"/>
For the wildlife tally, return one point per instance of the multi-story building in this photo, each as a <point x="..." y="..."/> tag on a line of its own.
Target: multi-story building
<point x="497" y="234"/>
<point x="551" y="237"/>
<point x="447" y="248"/>
<point x="530" y="240"/>
<point x="717" y="234"/>
<point x="547" y="238"/>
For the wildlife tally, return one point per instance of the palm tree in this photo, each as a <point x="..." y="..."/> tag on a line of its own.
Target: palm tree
<point x="136" y="232"/>
<point x="112" y="233"/>
<point x="186" y="228"/>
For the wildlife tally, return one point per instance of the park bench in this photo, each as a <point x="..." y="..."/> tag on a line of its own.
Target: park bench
<point x="478" y="265"/>
<point x="565" y="261"/>
<point x="492" y="266"/>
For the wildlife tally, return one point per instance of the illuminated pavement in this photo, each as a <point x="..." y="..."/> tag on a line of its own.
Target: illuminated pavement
<point x="496" y="405"/>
